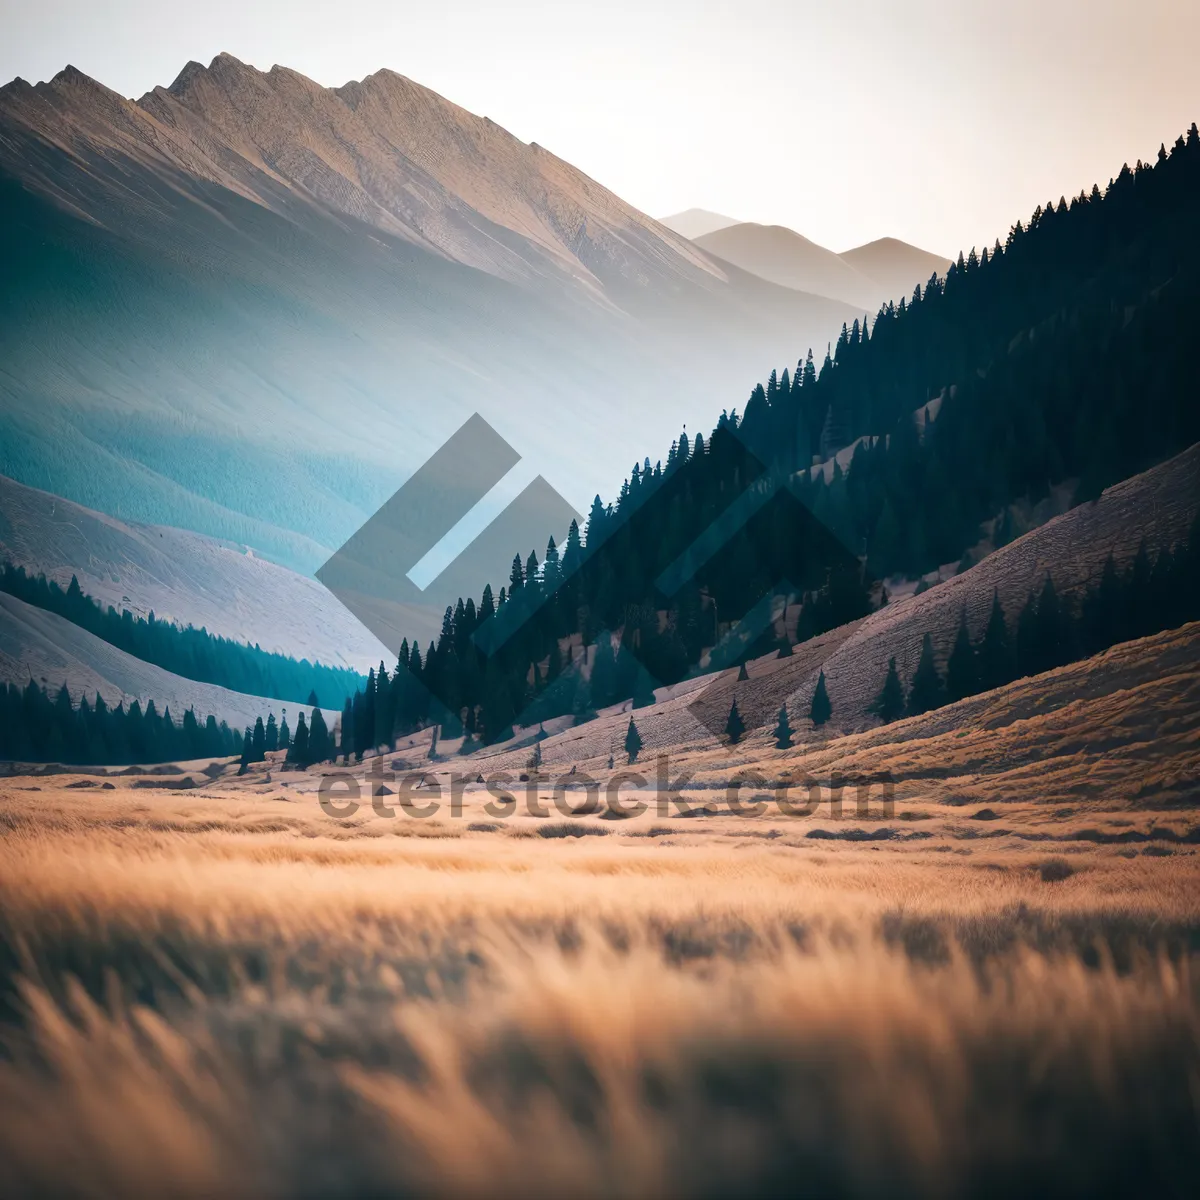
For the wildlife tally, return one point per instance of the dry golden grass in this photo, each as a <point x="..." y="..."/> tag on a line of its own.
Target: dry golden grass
<point x="224" y="991"/>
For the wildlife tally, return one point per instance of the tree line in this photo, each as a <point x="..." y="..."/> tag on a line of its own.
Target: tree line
<point x="186" y="651"/>
<point x="36" y="728"/>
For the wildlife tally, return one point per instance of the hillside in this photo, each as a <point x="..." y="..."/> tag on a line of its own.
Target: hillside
<point x="38" y="645"/>
<point x="229" y="306"/>
<point x="1157" y="506"/>
<point x="181" y="577"/>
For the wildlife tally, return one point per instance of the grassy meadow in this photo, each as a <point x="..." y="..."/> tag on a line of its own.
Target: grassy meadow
<point x="219" y="989"/>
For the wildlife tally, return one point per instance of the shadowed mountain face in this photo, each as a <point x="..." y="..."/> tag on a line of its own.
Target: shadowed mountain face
<point x="250" y="306"/>
<point x="865" y="277"/>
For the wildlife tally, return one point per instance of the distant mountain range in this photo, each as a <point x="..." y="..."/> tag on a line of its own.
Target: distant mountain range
<point x="864" y="277"/>
<point x="250" y="306"/>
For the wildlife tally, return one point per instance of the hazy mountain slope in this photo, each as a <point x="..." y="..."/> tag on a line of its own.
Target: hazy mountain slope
<point x="865" y="277"/>
<point x="182" y="577"/>
<point x="787" y="258"/>
<point x="696" y="222"/>
<point x="895" y="265"/>
<point x="252" y="306"/>
<point x="50" y="650"/>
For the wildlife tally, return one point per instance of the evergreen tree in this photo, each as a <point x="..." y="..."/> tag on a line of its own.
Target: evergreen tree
<point x="735" y="727"/>
<point x="962" y="671"/>
<point x="272" y="738"/>
<point x="927" y="691"/>
<point x="821" y="709"/>
<point x="285" y="734"/>
<point x="995" y="663"/>
<point x="890" y="704"/>
<point x="1050" y="632"/>
<point x="259" y="741"/>
<point x="643" y="694"/>
<point x="299" y="751"/>
<point x="247" y="751"/>
<point x="783" y="730"/>
<point x="320" y="748"/>
<point x="633" y="741"/>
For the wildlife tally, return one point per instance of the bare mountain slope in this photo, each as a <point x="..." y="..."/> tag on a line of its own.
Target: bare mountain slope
<point x="182" y="577"/>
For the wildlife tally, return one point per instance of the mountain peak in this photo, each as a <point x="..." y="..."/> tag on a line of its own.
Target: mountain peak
<point x="192" y="71"/>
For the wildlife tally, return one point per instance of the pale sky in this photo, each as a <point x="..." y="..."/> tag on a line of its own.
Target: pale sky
<point x="936" y="121"/>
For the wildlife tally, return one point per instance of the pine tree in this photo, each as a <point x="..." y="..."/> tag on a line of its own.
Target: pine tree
<point x="735" y="727"/>
<point x="995" y="663"/>
<point x="927" y="691"/>
<point x="890" y="704"/>
<point x="285" y="734"/>
<point x="299" y="752"/>
<point x="347" y="735"/>
<point x="783" y="730"/>
<point x="821" y="709"/>
<point x="320" y="748"/>
<point x="633" y="741"/>
<point x="247" y="751"/>
<point x="272" y="740"/>
<point x="962" y="671"/>
<point x="259" y="741"/>
<point x="643" y="692"/>
<point x="1050" y="633"/>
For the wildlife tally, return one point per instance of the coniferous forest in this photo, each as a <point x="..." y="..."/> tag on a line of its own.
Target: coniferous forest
<point x="36" y="728"/>
<point x="1063" y="355"/>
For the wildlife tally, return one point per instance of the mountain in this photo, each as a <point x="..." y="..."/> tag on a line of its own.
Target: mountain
<point x="894" y="265"/>
<point x="865" y="277"/>
<point x="250" y="306"/>
<point x="696" y="222"/>
<point x="181" y="577"/>
<point x="782" y="256"/>
<point x="44" y="647"/>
